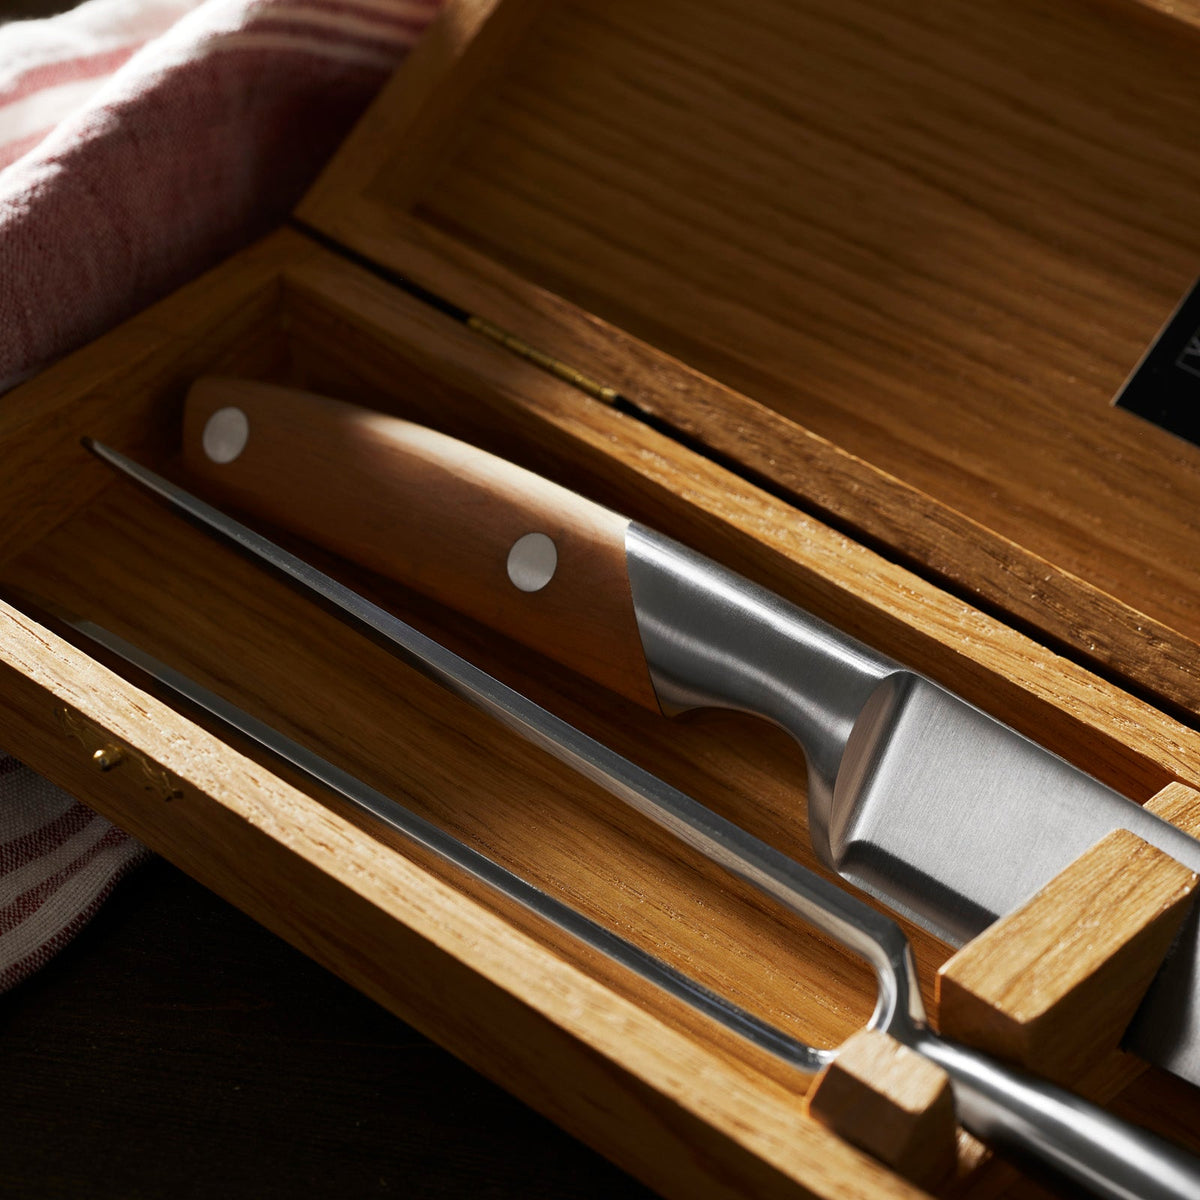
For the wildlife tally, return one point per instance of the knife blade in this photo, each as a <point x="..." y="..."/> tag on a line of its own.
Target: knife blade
<point x="924" y="801"/>
<point x="1026" y="1118"/>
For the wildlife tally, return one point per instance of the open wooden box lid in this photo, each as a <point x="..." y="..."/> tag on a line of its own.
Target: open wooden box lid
<point x="891" y="263"/>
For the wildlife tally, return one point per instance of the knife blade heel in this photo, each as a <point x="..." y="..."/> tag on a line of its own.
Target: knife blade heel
<point x="714" y="640"/>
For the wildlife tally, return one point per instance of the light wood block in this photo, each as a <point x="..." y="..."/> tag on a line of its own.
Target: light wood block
<point x="1054" y="984"/>
<point x="1178" y="804"/>
<point x="891" y="1102"/>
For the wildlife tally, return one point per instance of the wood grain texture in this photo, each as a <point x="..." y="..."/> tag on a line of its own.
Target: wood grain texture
<point x="889" y="1101"/>
<point x="940" y="240"/>
<point x="1115" y="1079"/>
<point x="127" y="388"/>
<point x="453" y="66"/>
<point x="128" y="563"/>
<point x="436" y="514"/>
<point x="1173" y="10"/>
<point x="1178" y="804"/>
<point x="358" y="339"/>
<point x="1052" y="986"/>
<point x="894" y="263"/>
<point x="453" y="966"/>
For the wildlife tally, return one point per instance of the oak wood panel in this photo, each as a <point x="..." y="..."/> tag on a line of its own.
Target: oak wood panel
<point x="625" y="194"/>
<point x="1172" y="10"/>
<point x="940" y="239"/>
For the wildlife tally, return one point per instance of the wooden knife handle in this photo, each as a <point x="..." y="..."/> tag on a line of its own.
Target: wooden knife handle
<point x="530" y="559"/>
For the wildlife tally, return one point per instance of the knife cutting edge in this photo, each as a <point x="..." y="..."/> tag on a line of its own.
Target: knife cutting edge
<point x="1019" y="1115"/>
<point x="920" y="799"/>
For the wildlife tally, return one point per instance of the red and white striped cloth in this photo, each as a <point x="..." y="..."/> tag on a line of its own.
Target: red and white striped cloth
<point x="58" y="862"/>
<point x="142" y="141"/>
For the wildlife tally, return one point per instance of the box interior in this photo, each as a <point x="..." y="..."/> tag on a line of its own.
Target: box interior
<point x="125" y="562"/>
<point x="100" y="550"/>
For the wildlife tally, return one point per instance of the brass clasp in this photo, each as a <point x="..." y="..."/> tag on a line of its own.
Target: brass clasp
<point x="108" y="754"/>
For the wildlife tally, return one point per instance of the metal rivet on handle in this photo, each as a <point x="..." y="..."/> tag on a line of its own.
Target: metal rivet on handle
<point x="532" y="562"/>
<point x="225" y="434"/>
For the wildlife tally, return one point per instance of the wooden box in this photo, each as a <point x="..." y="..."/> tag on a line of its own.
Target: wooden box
<point x="838" y="294"/>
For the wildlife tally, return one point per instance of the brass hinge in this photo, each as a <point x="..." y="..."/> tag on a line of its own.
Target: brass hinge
<point x="547" y="362"/>
<point x="515" y="345"/>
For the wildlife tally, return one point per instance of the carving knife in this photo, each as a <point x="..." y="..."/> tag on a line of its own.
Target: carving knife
<point x="1024" y="1117"/>
<point x="919" y="798"/>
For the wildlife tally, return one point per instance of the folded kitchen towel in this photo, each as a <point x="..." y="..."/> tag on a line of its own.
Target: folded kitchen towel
<point x="142" y="141"/>
<point x="58" y="861"/>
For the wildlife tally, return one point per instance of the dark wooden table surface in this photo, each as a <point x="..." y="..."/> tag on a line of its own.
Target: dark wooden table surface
<point x="177" y="1049"/>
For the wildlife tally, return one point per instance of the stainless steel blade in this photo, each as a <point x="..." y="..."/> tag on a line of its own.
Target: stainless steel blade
<point x="917" y="797"/>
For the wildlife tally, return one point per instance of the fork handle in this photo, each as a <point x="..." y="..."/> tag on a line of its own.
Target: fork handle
<point x="1037" y="1122"/>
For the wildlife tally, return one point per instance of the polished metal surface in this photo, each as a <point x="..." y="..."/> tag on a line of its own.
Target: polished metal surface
<point x="396" y="816"/>
<point x="1019" y="1115"/>
<point x="925" y="802"/>
<point x="225" y="435"/>
<point x="1033" y="1121"/>
<point x="532" y="561"/>
<point x="822" y="904"/>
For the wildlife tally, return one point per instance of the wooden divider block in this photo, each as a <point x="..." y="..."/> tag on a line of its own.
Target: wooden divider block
<point x="1050" y="987"/>
<point x="1178" y="804"/>
<point x="891" y="1102"/>
<point x="1053" y="985"/>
